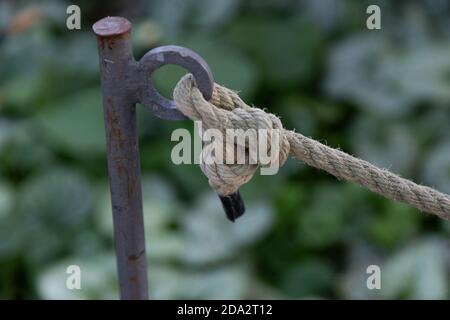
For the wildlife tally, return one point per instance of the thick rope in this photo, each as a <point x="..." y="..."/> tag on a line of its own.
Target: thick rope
<point x="225" y="110"/>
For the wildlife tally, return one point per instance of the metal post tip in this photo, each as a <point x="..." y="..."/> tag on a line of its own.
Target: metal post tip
<point x="111" y="27"/>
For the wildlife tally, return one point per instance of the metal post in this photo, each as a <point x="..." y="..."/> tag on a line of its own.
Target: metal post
<point x="114" y="45"/>
<point x="125" y="82"/>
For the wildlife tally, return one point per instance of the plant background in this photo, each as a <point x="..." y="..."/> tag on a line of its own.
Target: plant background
<point x="382" y="95"/>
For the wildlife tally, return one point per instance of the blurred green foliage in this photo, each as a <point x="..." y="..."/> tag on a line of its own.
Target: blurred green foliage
<point x="382" y="95"/>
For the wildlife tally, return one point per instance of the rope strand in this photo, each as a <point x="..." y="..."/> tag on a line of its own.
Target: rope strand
<point x="383" y="182"/>
<point x="226" y="110"/>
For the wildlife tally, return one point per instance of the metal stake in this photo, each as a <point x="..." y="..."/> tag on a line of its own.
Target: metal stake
<point x="126" y="82"/>
<point x="114" y="46"/>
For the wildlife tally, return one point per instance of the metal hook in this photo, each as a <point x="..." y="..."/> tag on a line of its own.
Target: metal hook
<point x="158" y="57"/>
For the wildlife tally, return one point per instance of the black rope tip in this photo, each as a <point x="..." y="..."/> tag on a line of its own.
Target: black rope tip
<point x="233" y="205"/>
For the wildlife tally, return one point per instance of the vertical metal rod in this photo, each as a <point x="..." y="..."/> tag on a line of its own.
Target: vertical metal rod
<point x="116" y="66"/>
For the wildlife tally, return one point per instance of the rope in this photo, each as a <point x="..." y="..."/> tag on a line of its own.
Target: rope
<point x="225" y="110"/>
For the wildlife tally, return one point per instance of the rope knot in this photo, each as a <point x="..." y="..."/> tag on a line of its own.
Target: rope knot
<point x="237" y="138"/>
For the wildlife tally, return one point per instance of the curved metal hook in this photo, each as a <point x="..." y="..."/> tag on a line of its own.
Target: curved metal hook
<point x="158" y="57"/>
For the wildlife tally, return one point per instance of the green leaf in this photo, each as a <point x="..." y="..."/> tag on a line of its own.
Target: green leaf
<point x="226" y="282"/>
<point x="311" y="278"/>
<point x="286" y="49"/>
<point x="419" y="271"/>
<point x="436" y="167"/>
<point x="396" y="222"/>
<point x="6" y="199"/>
<point x="58" y="197"/>
<point x="365" y="69"/>
<point x="322" y="223"/>
<point x="229" y="281"/>
<point x="395" y="147"/>
<point x="75" y="125"/>
<point x="98" y="279"/>
<point x="210" y="237"/>
<point x="17" y="139"/>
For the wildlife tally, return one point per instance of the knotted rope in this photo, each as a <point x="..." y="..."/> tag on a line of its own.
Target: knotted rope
<point x="225" y="110"/>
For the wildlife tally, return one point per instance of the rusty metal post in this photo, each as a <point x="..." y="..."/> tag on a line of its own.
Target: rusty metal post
<point x="126" y="82"/>
<point x="116" y="62"/>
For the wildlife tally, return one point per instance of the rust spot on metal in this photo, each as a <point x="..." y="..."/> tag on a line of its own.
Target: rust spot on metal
<point x="114" y="130"/>
<point x="107" y="42"/>
<point x="130" y="189"/>
<point x="134" y="257"/>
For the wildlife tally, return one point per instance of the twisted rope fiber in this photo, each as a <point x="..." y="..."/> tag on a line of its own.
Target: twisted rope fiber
<point x="225" y="110"/>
